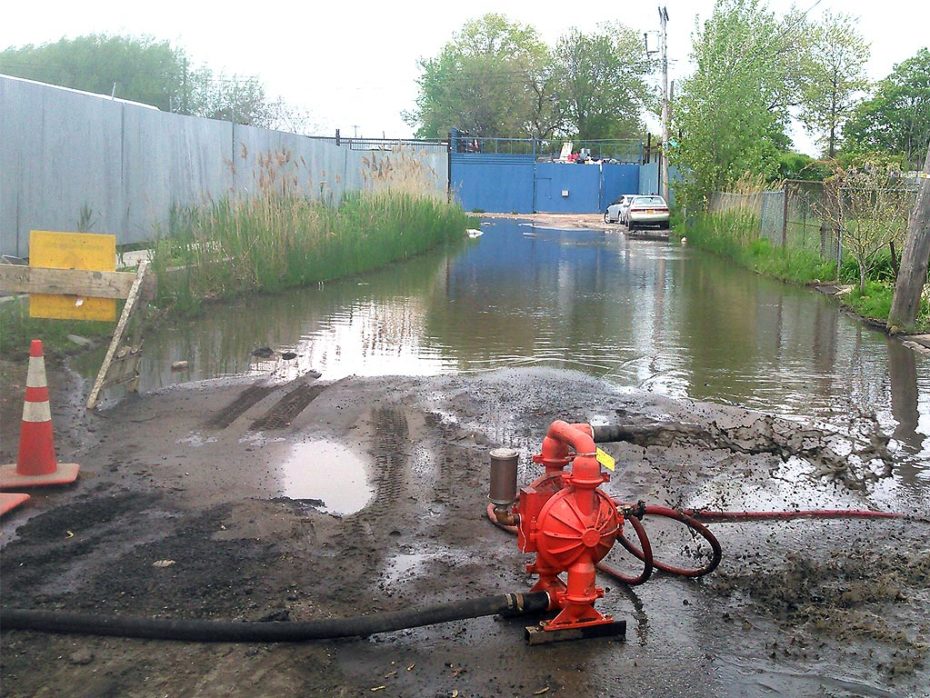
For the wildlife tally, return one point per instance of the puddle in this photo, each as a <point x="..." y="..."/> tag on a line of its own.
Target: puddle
<point x="328" y="472"/>
<point x="196" y="440"/>
<point x="405" y="566"/>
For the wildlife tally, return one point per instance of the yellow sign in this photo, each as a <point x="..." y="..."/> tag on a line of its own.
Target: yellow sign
<point x="87" y="251"/>
<point x="605" y="459"/>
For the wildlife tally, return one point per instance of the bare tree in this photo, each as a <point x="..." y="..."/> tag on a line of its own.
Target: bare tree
<point x="872" y="212"/>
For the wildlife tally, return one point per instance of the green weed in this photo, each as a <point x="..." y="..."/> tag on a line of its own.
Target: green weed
<point x="874" y="302"/>
<point x="733" y="234"/>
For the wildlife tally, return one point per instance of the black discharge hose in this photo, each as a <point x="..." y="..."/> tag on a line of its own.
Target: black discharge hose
<point x="232" y="631"/>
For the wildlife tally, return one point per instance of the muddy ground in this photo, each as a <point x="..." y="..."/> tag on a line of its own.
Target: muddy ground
<point x="194" y="478"/>
<point x="583" y="221"/>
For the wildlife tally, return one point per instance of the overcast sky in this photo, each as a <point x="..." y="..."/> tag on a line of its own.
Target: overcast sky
<point x="354" y="64"/>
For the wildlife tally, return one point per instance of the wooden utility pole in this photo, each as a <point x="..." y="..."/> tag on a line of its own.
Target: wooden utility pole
<point x="915" y="259"/>
<point x="663" y="158"/>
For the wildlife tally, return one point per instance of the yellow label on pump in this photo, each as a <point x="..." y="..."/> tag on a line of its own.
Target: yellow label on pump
<point x="605" y="459"/>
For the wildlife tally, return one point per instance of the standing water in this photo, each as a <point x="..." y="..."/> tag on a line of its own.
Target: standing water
<point x="646" y="315"/>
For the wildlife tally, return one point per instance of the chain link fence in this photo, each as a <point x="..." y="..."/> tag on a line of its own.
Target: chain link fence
<point x="794" y="216"/>
<point x="806" y="215"/>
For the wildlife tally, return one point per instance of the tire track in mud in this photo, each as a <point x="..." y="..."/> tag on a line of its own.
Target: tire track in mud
<point x="288" y="407"/>
<point x="391" y="433"/>
<point x="243" y="402"/>
<point x="364" y="538"/>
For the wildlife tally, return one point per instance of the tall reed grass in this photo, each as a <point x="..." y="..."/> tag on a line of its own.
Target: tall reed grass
<point x="282" y="238"/>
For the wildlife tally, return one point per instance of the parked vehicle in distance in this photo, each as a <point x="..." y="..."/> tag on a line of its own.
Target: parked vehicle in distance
<point x="616" y="211"/>
<point x="646" y="212"/>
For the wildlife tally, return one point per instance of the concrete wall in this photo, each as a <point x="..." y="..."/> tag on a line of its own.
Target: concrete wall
<point x="126" y="165"/>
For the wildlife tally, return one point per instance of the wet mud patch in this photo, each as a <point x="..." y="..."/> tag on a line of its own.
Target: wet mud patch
<point x="191" y="573"/>
<point x="288" y="407"/>
<point x="238" y="550"/>
<point x="855" y="458"/>
<point x="390" y="451"/>
<point x="866" y="596"/>
<point x="55" y="551"/>
<point x="136" y="553"/>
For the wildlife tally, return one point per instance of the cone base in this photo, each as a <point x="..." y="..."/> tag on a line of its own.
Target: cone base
<point x="10" y="479"/>
<point x="10" y="500"/>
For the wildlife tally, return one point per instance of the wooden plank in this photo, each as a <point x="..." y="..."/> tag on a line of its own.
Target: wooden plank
<point x="17" y="278"/>
<point x="124" y="367"/>
<point x="132" y="302"/>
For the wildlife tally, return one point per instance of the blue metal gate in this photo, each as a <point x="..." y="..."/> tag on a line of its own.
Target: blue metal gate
<point x="493" y="182"/>
<point x="617" y="181"/>
<point x="519" y="181"/>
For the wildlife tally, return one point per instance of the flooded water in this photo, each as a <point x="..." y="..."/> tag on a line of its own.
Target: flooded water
<point x="646" y="315"/>
<point x="328" y="475"/>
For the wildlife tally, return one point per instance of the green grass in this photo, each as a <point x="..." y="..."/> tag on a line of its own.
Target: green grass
<point x="274" y="241"/>
<point x="874" y="302"/>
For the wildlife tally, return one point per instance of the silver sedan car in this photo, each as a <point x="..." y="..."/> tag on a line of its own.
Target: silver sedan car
<point x="647" y="211"/>
<point x="617" y="210"/>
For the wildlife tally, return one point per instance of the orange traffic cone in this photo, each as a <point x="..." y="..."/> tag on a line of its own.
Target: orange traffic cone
<point x="11" y="500"/>
<point x="36" y="465"/>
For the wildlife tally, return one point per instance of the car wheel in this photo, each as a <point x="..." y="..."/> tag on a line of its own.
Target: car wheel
<point x="606" y="217"/>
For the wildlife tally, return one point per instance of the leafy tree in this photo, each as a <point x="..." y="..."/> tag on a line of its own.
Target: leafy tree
<point x="603" y="81"/>
<point x="548" y="112"/>
<point x="483" y="81"/>
<point x="236" y="99"/>
<point x="834" y="72"/>
<point x="497" y="78"/>
<point x="897" y="117"/>
<point x="144" y="70"/>
<point x="733" y="111"/>
<point x="800" y="166"/>
<point x="141" y="69"/>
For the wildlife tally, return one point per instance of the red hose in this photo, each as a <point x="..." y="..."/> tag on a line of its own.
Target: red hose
<point x="646" y="549"/>
<point x="724" y="516"/>
<point x="695" y="525"/>
<point x="692" y="518"/>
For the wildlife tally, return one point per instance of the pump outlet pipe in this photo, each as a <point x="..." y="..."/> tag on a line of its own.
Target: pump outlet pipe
<point x="232" y="631"/>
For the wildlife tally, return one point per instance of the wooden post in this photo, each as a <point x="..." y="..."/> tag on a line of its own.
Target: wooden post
<point x="784" y="217"/>
<point x="126" y="356"/>
<point x="914" y="259"/>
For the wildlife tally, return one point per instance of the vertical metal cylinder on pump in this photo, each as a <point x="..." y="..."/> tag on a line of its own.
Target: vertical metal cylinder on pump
<point x="503" y="476"/>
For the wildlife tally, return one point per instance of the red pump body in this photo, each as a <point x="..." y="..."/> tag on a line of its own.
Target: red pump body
<point x="569" y="523"/>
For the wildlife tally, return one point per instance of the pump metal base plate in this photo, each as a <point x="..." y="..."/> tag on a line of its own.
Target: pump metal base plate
<point x="535" y="635"/>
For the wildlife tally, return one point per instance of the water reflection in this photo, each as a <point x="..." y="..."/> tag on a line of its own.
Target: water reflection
<point x="664" y="318"/>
